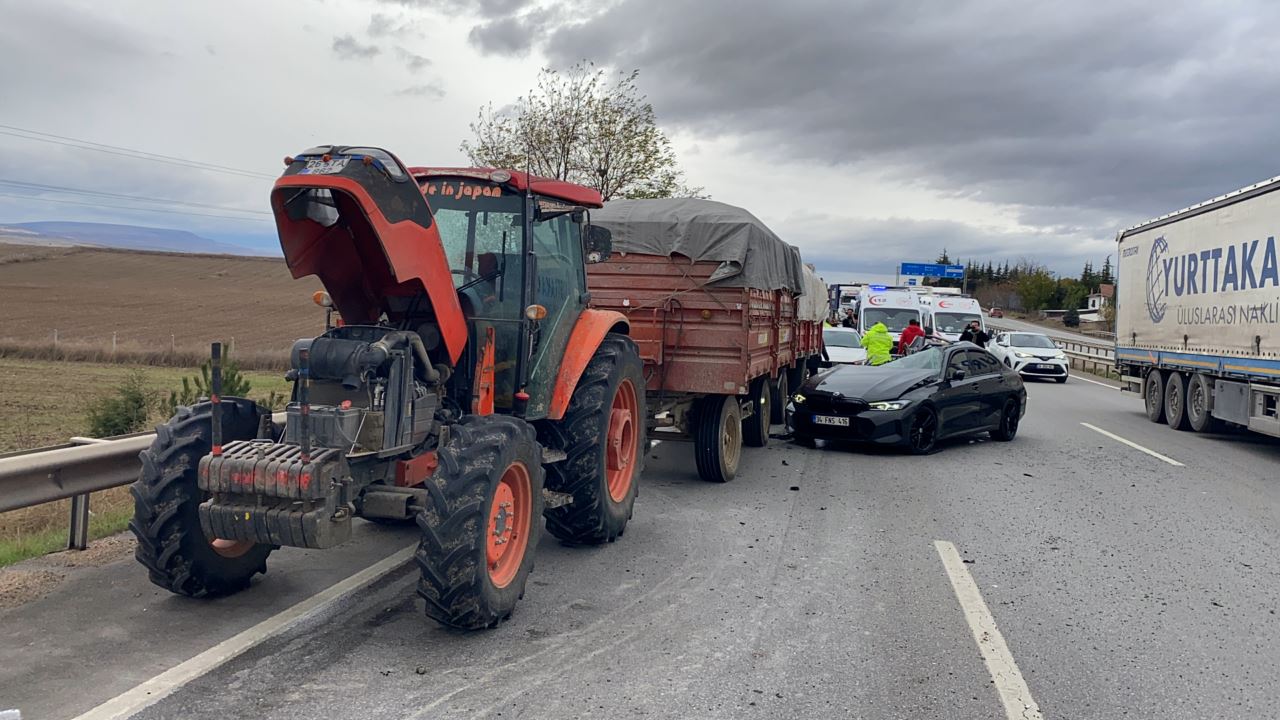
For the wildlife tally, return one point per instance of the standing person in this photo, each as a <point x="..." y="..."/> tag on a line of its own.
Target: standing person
<point x="909" y="335"/>
<point x="878" y="343"/>
<point x="849" y="320"/>
<point x="974" y="334"/>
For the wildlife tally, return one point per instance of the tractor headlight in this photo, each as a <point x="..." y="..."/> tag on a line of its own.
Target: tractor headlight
<point x="797" y="399"/>
<point x="890" y="405"/>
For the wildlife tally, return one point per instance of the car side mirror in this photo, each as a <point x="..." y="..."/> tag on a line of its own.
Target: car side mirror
<point x="957" y="374"/>
<point x="599" y="244"/>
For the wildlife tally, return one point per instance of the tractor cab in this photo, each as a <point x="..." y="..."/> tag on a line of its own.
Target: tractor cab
<point x="517" y="246"/>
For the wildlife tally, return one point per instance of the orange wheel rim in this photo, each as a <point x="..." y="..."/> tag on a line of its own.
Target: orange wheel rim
<point x="622" y="441"/>
<point x="230" y="548"/>
<point x="510" y="520"/>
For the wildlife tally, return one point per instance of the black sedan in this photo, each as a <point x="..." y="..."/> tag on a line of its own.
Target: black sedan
<point x="914" y="401"/>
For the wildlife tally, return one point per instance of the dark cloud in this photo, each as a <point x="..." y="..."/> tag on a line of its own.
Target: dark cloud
<point x="412" y="61"/>
<point x="845" y="247"/>
<point x="1087" y="112"/>
<point x="348" y="48"/>
<point x="432" y="90"/>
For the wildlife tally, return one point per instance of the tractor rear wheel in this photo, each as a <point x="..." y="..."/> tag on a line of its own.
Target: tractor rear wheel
<point x="603" y="437"/>
<point x="166" y="500"/>
<point x="480" y="524"/>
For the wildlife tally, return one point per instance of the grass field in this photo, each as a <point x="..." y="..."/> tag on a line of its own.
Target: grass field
<point x="152" y="301"/>
<point x="44" y="403"/>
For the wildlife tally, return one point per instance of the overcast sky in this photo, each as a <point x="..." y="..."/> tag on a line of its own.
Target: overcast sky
<point x="867" y="133"/>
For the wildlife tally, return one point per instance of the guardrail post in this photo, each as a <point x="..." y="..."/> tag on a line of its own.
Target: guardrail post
<point x="78" y="537"/>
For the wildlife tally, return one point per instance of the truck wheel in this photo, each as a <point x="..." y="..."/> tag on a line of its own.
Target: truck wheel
<point x="1199" y="404"/>
<point x="779" y="391"/>
<point x="603" y="437"/>
<point x="1175" y="401"/>
<point x="755" y="429"/>
<point x="480" y="522"/>
<point x="717" y="437"/>
<point x="1153" y="394"/>
<point x="178" y="556"/>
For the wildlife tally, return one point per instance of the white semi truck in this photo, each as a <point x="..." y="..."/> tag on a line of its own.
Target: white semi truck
<point x="1198" y="312"/>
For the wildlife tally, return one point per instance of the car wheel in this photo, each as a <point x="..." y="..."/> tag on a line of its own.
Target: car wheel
<point x="922" y="438"/>
<point x="1009" y="420"/>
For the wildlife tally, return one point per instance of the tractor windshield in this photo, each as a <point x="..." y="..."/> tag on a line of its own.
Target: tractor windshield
<point x="481" y="228"/>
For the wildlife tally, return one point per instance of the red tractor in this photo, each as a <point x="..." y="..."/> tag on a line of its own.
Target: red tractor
<point x="467" y="387"/>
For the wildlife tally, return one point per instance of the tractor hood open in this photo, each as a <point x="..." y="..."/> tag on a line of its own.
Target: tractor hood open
<point x="356" y="219"/>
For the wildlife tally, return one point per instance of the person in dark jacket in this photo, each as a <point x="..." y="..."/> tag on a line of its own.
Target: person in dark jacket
<point x="849" y="320"/>
<point x="975" y="335"/>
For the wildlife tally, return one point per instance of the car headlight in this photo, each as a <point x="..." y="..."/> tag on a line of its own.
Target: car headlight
<point x="1060" y="356"/>
<point x="1019" y="354"/>
<point x="797" y="399"/>
<point x="890" y="405"/>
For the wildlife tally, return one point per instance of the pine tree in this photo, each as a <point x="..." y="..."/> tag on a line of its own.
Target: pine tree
<point x="1086" y="275"/>
<point x="989" y="274"/>
<point x="944" y="259"/>
<point x="1105" y="276"/>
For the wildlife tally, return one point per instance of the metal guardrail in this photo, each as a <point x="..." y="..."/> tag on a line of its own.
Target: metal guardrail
<point x="73" y="470"/>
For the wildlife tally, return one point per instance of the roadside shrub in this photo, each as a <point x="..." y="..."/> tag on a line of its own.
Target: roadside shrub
<point x="234" y="384"/>
<point x="1071" y="318"/>
<point x="124" y="411"/>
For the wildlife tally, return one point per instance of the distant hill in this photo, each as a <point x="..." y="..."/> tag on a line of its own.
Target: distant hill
<point x="127" y="237"/>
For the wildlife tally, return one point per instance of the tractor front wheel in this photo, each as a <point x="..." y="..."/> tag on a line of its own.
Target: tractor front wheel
<point x="602" y="435"/>
<point x="480" y="525"/>
<point x="166" y="501"/>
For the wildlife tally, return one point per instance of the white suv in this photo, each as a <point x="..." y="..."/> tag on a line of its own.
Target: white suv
<point x="1031" y="354"/>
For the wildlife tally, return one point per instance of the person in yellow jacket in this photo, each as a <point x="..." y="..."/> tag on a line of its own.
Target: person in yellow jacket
<point x="878" y="343"/>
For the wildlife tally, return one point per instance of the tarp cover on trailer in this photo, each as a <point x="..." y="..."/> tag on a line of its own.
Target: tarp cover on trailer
<point x="813" y="303"/>
<point x="749" y="253"/>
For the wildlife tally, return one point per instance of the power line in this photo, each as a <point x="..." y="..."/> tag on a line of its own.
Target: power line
<point x="50" y="138"/>
<point x="137" y="198"/>
<point x="131" y="209"/>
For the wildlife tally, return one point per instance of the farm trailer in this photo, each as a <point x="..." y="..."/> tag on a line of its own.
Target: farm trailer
<point x="725" y="314"/>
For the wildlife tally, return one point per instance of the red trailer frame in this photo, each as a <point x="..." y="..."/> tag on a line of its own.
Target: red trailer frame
<point x="714" y="356"/>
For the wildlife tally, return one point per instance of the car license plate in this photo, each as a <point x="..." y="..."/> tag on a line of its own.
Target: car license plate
<point x="828" y="420"/>
<point x="1045" y="367"/>
<point x="324" y="167"/>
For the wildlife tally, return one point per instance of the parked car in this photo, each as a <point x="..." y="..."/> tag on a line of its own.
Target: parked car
<point x="844" y="345"/>
<point x="995" y="313"/>
<point x="914" y="401"/>
<point x="1030" y="355"/>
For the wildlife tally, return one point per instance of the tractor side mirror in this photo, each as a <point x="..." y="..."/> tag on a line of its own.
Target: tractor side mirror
<point x="599" y="244"/>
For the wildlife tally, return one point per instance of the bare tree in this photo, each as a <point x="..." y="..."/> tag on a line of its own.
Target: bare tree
<point x="580" y="127"/>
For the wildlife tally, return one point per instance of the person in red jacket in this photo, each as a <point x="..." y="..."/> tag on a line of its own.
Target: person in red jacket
<point x="909" y="335"/>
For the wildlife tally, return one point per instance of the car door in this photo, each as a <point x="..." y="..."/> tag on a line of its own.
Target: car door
<point x="957" y="398"/>
<point x="992" y="388"/>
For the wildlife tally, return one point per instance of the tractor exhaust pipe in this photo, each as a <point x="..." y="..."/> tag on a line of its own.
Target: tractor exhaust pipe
<point x="304" y="404"/>
<point x="215" y="396"/>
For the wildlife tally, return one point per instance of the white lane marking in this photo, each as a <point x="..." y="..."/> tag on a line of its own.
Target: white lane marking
<point x="1014" y="693"/>
<point x="157" y="688"/>
<point x="1095" y="382"/>
<point x="1133" y="445"/>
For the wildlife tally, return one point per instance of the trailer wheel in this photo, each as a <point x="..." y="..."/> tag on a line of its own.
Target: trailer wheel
<point x="779" y="392"/>
<point x="755" y="429"/>
<point x="1175" y="401"/>
<point x="480" y="524"/>
<point x="717" y="437"/>
<point x="603" y="437"/>
<point x="166" y="501"/>
<point x="1200" y="404"/>
<point x="1153" y="394"/>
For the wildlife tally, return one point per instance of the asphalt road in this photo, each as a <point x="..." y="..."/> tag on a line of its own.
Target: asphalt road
<point x="1123" y="585"/>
